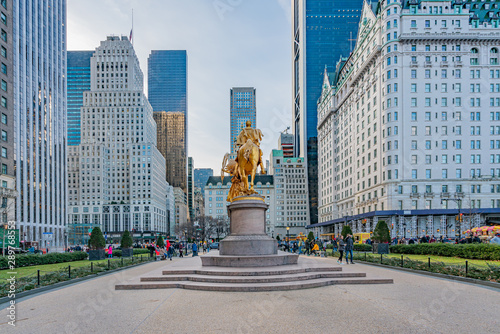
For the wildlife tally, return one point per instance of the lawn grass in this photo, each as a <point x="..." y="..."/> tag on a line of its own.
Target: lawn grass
<point x="446" y="260"/>
<point x="33" y="270"/>
<point x="434" y="258"/>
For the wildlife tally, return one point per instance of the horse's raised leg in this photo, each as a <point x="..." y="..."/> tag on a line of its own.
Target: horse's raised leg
<point x="244" y="177"/>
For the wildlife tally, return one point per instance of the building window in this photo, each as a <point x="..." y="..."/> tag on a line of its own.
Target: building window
<point x="3" y="35"/>
<point x="3" y="18"/>
<point x="3" y="102"/>
<point x="4" y="135"/>
<point x="4" y="152"/>
<point x="4" y="119"/>
<point x="4" y="85"/>
<point x="4" y="169"/>
<point x="3" y="52"/>
<point x="4" y="69"/>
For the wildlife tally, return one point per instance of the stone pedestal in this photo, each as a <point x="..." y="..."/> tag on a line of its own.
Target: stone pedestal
<point x="248" y="245"/>
<point x="248" y="229"/>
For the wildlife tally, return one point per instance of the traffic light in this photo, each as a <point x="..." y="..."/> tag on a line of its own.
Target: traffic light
<point x="461" y="217"/>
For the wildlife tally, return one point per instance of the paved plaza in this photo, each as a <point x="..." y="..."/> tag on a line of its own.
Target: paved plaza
<point x="413" y="304"/>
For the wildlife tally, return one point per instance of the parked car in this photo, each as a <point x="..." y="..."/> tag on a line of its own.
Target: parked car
<point x="214" y="245"/>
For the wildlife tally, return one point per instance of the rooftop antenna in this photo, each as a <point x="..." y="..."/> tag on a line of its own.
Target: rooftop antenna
<point x="132" y="30"/>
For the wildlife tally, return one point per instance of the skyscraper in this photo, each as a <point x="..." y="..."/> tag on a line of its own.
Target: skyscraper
<point x="171" y="136"/>
<point x="243" y="108"/>
<point x="167" y="80"/>
<point x="39" y="67"/>
<point x="190" y="188"/>
<point x="78" y="82"/>
<point x="7" y="173"/>
<point x="322" y="30"/>
<point x="122" y="184"/>
<point x="201" y="176"/>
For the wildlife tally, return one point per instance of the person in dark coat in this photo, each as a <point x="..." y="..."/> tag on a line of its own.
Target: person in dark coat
<point x="341" y="249"/>
<point x="349" y="247"/>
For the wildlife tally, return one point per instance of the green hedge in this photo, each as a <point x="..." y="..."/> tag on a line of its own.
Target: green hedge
<point x="137" y="251"/>
<point x="363" y="248"/>
<point x="491" y="273"/>
<point x="467" y="251"/>
<point x="23" y="260"/>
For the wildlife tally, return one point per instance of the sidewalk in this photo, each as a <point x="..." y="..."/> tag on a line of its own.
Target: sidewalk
<point x="413" y="304"/>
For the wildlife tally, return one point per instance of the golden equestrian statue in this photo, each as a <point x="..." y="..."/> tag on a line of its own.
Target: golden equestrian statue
<point x="248" y="158"/>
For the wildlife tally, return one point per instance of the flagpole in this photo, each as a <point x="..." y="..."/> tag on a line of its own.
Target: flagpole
<point x="132" y="27"/>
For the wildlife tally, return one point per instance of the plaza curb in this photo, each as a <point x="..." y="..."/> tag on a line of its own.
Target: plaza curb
<point x="437" y="275"/>
<point x="45" y="288"/>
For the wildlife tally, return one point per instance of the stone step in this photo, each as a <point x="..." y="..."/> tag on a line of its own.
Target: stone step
<point x="254" y="272"/>
<point x="254" y="279"/>
<point x="236" y="287"/>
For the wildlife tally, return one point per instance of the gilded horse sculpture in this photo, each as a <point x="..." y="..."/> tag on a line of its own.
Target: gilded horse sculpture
<point x="248" y="158"/>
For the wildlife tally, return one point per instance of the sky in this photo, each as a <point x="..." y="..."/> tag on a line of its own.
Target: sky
<point x="230" y="43"/>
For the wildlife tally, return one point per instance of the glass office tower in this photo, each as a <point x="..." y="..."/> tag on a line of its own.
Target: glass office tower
<point x="323" y="31"/>
<point x="243" y="109"/>
<point x="167" y="80"/>
<point x="78" y="82"/>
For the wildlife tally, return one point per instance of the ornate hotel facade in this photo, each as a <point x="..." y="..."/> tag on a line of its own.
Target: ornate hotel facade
<point x="409" y="123"/>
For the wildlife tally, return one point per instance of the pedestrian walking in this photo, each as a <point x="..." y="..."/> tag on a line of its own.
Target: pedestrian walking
<point x="349" y="247"/>
<point x="110" y="252"/>
<point x="180" y="250"/>
<point x="195" y="249"/>
<point x="341" y="249"/>
<point x="315" y="249"/>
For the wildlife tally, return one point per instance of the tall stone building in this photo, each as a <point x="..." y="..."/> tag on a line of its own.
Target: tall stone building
<point x="409" y="123"/>
<point x="120" y="170"/>
<point x="291" y="200"/>
<point x="39" y="126"/>
<point x="171" y="136"/>
<point x="190" y="188"/>
<point x="8" y="191"/>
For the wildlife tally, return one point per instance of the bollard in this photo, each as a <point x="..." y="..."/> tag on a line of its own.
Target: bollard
<point x="429" y="262"/>
<point x="141" y="258"/>
<point x="109" y="264"/>
<point x="365" y="255"/>
<point x="69" y="271"/>
<point x="466" y="268"/>
<point x="122" y="261"/>
<point x="91" y="267"/>
<point x="381" y="255"/>
<point x="38" y="277"/>
<point x="402" y="261"/>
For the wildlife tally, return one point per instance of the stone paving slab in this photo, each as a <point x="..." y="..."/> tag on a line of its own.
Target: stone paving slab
<point x="413" y="304"/>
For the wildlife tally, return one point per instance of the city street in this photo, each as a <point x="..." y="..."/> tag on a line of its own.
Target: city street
<point x="413" y="304"/>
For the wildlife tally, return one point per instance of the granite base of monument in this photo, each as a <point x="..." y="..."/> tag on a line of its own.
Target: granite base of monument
<point x="248" y="245"/>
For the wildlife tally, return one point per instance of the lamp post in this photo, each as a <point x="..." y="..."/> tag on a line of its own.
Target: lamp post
<point x="288" y="237"/>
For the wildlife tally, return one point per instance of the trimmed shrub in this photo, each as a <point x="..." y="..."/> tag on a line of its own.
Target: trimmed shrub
<point x="159" y="242"/>
<point x="23" y="260"/>
<point x="467" y="251"/>
<point x="126" y="240"/>
<point x="310" y="236"/>
<point x="96" y="240"/>
<point x="381" y="233"/>
<point x="346" y="230"/>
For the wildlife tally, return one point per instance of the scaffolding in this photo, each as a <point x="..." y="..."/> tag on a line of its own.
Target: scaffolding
<point x="78" y="234"/>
